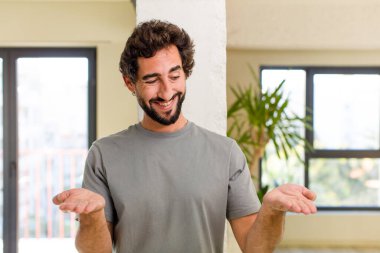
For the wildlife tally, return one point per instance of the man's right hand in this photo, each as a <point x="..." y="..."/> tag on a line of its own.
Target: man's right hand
<point x="94" y="233"/>
<point x="80" y="201"/>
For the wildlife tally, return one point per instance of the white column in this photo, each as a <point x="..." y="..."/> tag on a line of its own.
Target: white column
<point x="205" y="22"/>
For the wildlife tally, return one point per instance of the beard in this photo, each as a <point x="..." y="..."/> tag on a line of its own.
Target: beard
<point x="149" y="110"/>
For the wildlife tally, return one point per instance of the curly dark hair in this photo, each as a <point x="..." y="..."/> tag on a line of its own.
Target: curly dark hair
<point x="150" y="37"/>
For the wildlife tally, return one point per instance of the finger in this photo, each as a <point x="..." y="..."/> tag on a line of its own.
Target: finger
<point x="309" y="194"/>
<point x="70" y="206"/>
<point x="312" y="207"/>
<point x="295" y="207"/>
<point x="61" y="197"/>
<point x="302" y="205"/>
<point x="305" y="209"/>
<point x="307" y="206"/>
<point x="57" y="199"/>
<point x="67" y="207"/>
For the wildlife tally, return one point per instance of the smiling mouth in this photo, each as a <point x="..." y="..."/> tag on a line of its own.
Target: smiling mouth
<point x="164" y="105"/>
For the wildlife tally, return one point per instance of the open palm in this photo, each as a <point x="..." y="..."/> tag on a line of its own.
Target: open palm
<point x="79" y="201"/>
<point x="291" y="198"/>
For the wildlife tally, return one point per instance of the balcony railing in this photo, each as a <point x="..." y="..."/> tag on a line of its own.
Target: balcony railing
<point x="42" y="174"/>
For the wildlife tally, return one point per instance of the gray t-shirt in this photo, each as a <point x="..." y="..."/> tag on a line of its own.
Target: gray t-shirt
<point x="170" y="192"/>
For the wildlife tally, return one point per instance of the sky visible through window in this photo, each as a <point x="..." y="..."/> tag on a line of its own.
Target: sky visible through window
<point x="346" y="111"/>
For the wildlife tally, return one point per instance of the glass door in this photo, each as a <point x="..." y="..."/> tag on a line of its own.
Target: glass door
<point x="52" y="145"/>
<point x="49" y="123"/>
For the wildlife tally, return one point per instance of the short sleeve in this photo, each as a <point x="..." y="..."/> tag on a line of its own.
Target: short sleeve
<point x="242" y="196"/>
<point x="95" y="179"/>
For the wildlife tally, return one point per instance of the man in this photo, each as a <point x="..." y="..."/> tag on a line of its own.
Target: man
<point x="165" y="184"/>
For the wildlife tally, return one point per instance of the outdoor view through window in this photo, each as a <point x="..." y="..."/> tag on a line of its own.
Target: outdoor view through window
<point x="346" y="117"/>
<point x="52" y="120"/>
<point x="278" y="171"/>
<point x="344" y="170"/>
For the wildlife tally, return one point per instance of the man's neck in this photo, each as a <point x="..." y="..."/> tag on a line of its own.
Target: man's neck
<point x="154" y="126"/>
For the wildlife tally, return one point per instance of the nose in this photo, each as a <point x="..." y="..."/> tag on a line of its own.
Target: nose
<point x="165" y="89"/>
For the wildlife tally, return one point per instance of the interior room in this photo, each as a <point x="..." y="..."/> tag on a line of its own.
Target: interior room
<point x="46" y="131"/>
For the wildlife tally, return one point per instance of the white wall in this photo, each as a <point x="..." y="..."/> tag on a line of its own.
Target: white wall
<point x="205" y="22"/>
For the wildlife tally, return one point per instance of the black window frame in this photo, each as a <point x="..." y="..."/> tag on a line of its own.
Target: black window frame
<point x="10" y="167"/>
<point x="327" y="153"/>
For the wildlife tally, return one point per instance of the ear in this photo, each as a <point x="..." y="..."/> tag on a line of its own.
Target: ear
<point x="130" y="85"/>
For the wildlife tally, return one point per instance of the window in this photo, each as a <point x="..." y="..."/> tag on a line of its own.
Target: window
<point x="344" y="168"/>
<point x="49" y="107"/>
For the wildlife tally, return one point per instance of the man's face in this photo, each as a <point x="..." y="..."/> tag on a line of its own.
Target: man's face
<point x="160" y="85"/>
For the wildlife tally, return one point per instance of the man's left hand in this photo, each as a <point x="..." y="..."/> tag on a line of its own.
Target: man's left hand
<point x="290" y="198"/>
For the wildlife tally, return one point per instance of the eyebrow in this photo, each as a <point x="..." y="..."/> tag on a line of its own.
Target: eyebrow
<point x="147" y="76"/>
<point x="175" y="68"/>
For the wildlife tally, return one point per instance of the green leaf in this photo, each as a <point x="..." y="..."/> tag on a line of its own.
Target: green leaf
<point x="268" y="114"/>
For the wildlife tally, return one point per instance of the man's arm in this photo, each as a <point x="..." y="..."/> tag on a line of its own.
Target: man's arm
<point x="262" y="232"/>
<point x="266" y="232"/>
<point x="240" y="228"/>
<point x="95" y="233"/>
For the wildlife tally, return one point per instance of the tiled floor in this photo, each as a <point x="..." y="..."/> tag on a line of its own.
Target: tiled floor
<point x="326" y="250"/>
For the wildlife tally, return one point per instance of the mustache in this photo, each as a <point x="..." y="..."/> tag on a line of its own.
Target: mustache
<point x="158" y="99"/>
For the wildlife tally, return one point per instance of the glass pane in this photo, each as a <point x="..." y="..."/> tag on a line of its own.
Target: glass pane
<point x="346" y="182"/>
<point x="279" y="171"/>
<point x="52" y="119"/>
<point x="346" y="111"/>
<point x="1" y="155"/>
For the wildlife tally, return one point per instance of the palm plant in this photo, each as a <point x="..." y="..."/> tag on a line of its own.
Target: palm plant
<point x="262" y="117"/>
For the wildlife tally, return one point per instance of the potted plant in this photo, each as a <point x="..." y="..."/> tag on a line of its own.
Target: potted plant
<point x="258" y="118"/>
